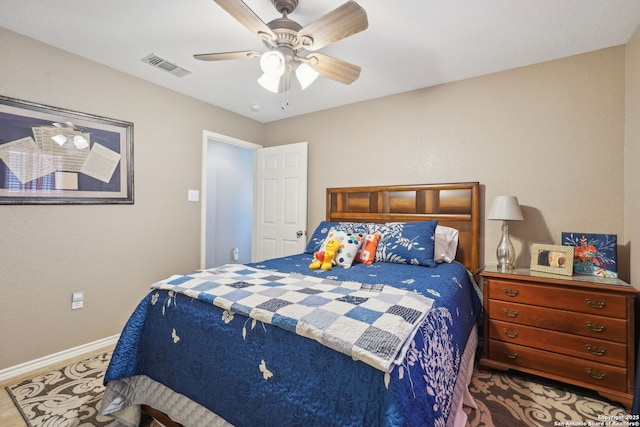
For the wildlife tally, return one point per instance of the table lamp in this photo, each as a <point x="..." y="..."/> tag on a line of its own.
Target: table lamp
<point x="505" y="208"/>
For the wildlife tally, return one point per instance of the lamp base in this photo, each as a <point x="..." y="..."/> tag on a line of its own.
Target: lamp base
<point x="505" y="253"/>
<point x="505" y="267"/>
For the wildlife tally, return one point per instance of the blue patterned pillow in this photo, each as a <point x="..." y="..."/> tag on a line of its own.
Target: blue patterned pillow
<point x="320" y="234"/>
<point x="407" y="243"/>
<point x="400" y="242"/>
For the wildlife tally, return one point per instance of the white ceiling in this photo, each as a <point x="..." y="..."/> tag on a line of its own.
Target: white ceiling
<point x="409" y="44"/>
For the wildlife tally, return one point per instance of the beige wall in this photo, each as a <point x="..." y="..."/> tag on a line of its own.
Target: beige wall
<point x="113" y="253"/>
<point x="632" y="151"/>
<point x="551" y="134"/>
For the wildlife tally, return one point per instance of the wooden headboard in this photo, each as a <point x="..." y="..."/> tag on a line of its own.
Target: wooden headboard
<point x="453" y="205"/>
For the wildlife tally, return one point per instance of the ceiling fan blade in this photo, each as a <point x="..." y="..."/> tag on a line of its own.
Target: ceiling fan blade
<point x="338" y="24"/>
<point x="333" y="68"/>
<point x="245" y="54"/>
<point x="243" y="14"/>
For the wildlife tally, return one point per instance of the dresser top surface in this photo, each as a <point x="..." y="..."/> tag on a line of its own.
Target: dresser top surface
<point x="578" y="279"/>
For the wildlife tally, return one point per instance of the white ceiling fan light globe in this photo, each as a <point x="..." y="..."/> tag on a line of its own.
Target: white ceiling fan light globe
<point x="270" y="83"/>
<point x="272" y="63"/>
<point x="306" y="75"/>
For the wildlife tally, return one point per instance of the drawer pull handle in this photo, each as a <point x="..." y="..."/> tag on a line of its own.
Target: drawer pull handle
<point x="600" y="304"/>
<point x="511" y="355"/>
<point x="594" y="373"/>
<point x="596" y="327"/>
<point x="510" y="313"/>
<point x="510" y="332"/>
<point x="510" y="292"/>
<point x="598" y="351"/>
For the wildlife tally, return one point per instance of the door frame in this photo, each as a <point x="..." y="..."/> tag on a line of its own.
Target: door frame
<point x="206" y="137"/>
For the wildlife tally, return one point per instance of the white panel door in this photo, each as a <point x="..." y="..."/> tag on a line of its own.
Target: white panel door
<point x="281" y="201"/>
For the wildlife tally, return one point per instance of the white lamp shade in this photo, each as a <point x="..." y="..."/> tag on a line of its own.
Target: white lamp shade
<point x="505" y="208"/>
<point x="270" y="83"/>
<point x="306" y="75"/>
<point x="272" y="63"/>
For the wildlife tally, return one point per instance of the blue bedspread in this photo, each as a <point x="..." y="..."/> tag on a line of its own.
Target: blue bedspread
<point x="256" y="374"/>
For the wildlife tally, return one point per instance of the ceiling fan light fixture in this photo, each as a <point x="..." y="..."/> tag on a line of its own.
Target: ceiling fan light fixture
<point x="270" y="83"/>
<point x="287" y="40"/>
<point x="306" y="75"/>
<point x="272" y="63"/>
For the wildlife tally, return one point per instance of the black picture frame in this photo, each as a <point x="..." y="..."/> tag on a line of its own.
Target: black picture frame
<point x="51" y="155"/>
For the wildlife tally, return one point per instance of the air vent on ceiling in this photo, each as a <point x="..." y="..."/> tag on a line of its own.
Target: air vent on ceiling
<point x="170" y="67"/>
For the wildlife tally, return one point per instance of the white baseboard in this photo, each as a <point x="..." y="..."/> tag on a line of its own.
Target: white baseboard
<point x="71" y="353"/>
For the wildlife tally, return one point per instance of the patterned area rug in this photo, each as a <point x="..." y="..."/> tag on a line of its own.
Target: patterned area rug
<point x="70" y="398"/>
<point x="510" y="399"/>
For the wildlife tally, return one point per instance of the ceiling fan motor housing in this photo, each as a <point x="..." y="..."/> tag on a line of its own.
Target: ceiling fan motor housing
<point x="286" y="32"/>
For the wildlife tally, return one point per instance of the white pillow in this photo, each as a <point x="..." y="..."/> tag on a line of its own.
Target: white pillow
<point x="446" y="244"/>
<point x="349" y="244"/>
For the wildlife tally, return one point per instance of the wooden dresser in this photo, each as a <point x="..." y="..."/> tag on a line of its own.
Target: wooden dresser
<point x="579" y="330"/>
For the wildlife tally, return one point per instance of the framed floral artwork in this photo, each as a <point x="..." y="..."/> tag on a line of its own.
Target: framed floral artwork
<point x="594" y="254"/>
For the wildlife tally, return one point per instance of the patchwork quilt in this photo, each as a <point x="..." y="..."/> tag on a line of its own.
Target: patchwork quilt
<point x="370" y="322"/>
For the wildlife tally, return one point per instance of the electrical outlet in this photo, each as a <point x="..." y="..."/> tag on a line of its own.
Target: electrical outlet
<point x="193" y="196"/>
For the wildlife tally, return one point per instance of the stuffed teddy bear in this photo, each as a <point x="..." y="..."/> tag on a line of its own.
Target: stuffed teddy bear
<point x="325" y="259"/>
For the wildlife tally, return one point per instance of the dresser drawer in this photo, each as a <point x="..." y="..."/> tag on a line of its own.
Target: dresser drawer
<point x="605" y="328"/>
<point x="585" y="371"/>
<point x="593" y="302"/>
<point x="598" y="350"/>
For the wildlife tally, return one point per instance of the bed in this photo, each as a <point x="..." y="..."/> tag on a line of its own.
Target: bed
<point x="244" y="345"/>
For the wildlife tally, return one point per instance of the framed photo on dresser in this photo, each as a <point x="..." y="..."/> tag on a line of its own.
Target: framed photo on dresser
<point x="554" y="259"/>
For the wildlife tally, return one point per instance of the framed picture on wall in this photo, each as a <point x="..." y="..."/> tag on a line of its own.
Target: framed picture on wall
<point x="50" y="155"/>
<point x="554" y="259"/>
<point x="594" y="254"/>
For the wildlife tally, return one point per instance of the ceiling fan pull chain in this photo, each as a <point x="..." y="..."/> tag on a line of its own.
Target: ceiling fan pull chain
<point x="285" y="93"/>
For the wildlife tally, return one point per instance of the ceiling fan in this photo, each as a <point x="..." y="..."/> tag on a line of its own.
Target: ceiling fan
<point x="288" y="43"/>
